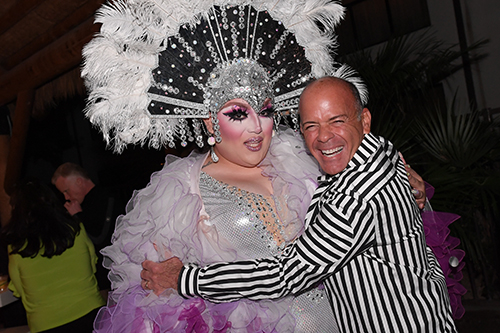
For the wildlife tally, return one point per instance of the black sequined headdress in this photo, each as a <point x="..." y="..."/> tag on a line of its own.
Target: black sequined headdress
<point x="157" y="63"/>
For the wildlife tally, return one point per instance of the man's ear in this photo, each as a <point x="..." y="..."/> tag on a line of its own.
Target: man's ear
<point x="366" y="120"/>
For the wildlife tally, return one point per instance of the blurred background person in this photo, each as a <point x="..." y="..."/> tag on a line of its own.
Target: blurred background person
<point x="97" y="207"/>
<point x="51" y="262"/>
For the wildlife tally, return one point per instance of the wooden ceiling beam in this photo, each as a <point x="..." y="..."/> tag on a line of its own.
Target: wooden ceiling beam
<point x="16" y="13"/>
<point x="73" y="20"/>
<point x="47" y="64"/>
<point x="21" y="121"/>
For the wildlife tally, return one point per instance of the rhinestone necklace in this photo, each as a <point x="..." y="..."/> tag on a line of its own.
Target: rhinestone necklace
<point x="261" y="210"/>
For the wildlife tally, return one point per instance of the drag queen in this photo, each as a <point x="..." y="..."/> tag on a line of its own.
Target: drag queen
<point x="222" y="74"/>
<point x="226" y="74"/>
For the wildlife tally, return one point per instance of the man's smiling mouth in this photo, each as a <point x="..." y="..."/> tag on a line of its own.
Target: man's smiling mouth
<point x="330" y="152"/>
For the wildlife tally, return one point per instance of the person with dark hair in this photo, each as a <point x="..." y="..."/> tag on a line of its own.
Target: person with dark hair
<point x="97" y="207"/>
<point x="51" y="262"/>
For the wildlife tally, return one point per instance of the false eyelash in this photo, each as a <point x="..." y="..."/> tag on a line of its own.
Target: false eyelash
<point x="236" y="112"/>
<point x="267" y="111"/>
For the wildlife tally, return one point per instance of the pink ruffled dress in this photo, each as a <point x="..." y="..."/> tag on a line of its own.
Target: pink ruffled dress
<point x="444" y="246"/>
<point x="186" y="213"/>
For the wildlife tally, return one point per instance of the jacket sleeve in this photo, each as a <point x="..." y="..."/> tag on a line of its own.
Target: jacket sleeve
<point x="343" y="228"/>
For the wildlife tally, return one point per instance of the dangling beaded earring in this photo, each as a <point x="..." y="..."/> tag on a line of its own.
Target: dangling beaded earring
<point x="211" y="143"/>
<point x="216" y="127"/>
<point x="214" y="137"/>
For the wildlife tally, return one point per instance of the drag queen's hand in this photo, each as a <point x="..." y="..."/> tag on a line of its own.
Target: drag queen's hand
<point x="417" y="184"/>
<point x="160" y="276"/>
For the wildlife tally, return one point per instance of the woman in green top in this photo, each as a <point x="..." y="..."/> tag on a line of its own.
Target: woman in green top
<point x="51" y="262"/>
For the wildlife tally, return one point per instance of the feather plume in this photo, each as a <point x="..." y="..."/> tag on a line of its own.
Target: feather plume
<point x="347" y="73"/>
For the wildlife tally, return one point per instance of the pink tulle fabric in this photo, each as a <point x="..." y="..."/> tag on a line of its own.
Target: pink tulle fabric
<point x="444" y="246"/>
<point x="194" y="315"/>
<point x="167" y="218"/>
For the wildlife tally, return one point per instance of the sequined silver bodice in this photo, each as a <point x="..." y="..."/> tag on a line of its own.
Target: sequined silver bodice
<point x="250" y="223"/>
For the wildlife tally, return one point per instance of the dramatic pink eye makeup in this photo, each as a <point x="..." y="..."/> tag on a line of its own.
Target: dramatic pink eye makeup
<point x="267" y="111"/>
<point x="237" y="113"/>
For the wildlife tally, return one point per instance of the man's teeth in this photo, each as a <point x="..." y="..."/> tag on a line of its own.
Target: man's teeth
<point x="332" y="151"/>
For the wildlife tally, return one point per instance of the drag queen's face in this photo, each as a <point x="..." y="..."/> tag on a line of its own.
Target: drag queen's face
<point x="246" y="133"/>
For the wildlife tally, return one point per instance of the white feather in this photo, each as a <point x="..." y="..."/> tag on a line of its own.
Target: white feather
<point x="347" y="73"/>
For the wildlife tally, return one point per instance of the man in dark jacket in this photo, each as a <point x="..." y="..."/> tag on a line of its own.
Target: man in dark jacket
<point x="96" y="206"/>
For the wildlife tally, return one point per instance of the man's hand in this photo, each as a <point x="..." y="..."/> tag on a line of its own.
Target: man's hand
<point x="160" y="276"/>
<point x="73" y="207"/>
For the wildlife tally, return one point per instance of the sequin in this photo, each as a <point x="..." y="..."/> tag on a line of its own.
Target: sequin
<point x="240" y="221"/>
<point x="237" y="220"/>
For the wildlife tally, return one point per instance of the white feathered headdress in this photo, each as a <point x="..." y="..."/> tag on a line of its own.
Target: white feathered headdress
<point x="157" y="63"/>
